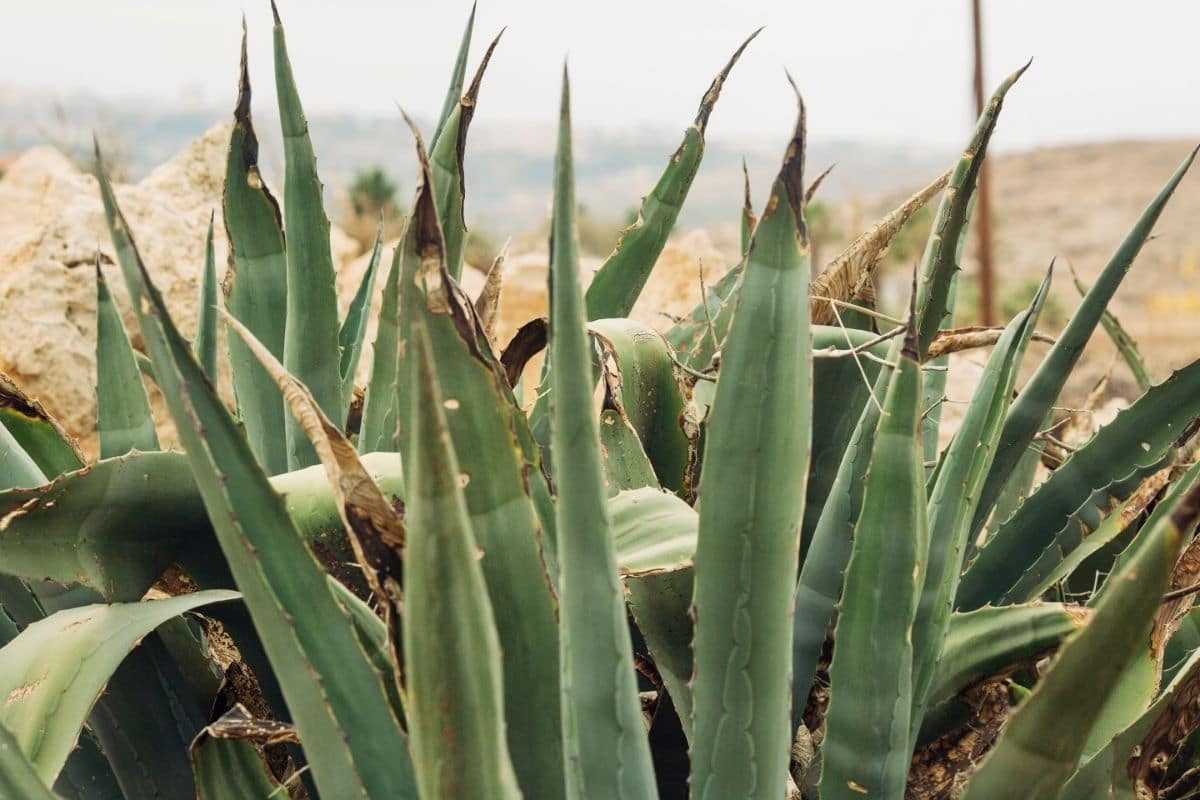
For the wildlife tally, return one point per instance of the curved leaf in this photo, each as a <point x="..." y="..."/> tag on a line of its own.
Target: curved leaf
<point x="16" y="466"/>
<point x="61" y="664"/>
<point x="1111" y="463"/>
<point x="985" y="642"/>
<point x="626" y="465"/>
<point x="653" y="532"/>
<point x="952" y="500"/>
<point x="102" y="526"/>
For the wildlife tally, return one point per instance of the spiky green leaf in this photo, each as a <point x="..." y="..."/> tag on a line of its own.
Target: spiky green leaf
<point x="616" y="285"/>
<point x="255" y="285"/>
<point x="446" y="162"/>
<point x="451" y="647"/>
<point x="490" y="435"/>
<point x="310" y="348"/>
<point x="952" y="500"/>
<point x="102" y="527"/>
<point x="940" y="262"/>
<point x="749" y="540"/>
<point x="865" y="750"/>
<point x="329" y="682"/>
<point x="1110" y="464"/>
<point x="123" y="418"/>
<point x="639" y="376"/>
<point x="606" y="750"/>
<point x="1042" y="742"/>
<point x="820" y="583"/>
<point x="457" y="75"/>
<point x="1042" y="390"/>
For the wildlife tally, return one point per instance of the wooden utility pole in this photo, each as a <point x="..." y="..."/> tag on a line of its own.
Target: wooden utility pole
<point x="983" y="204"/>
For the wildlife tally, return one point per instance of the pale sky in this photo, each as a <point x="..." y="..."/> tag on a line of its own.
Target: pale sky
<point x="882" y="70"/>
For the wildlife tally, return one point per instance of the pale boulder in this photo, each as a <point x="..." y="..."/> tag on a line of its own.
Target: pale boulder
<point x="51" y="226"/>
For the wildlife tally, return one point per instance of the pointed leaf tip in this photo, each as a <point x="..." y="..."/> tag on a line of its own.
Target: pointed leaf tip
<point x="1008" y="82"/>
<point x="472" y="93"/>
<point x="564" y="109"/>
<point x="912" y="329"/>
<point x="714" y="90"/>
<point x="791" y="174"/>
<point x="275" y="13"/>
<point x="241" y="111"/>
<point x="412" y="126"/>
<point x="816" y="183"/>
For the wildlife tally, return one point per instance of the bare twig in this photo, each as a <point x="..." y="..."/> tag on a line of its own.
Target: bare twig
<point x="870" y="312"/>
<point x="857" y="361"/>
<point x="837" y="352"/>
<point x="1175" y="594"/>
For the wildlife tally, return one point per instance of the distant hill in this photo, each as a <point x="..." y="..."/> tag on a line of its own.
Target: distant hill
<point x="508" y="168"/>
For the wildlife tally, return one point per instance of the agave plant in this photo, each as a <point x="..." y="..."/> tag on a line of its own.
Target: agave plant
<point x="748" y="573"/>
